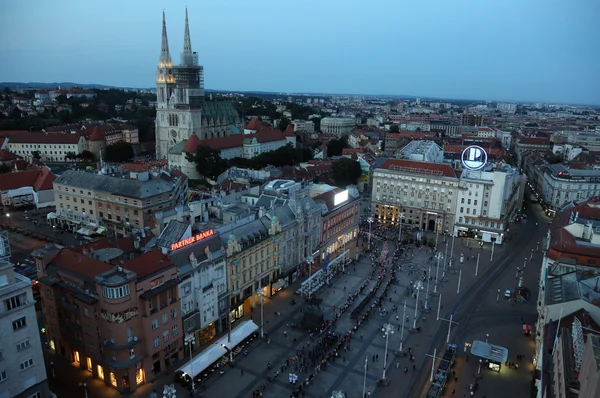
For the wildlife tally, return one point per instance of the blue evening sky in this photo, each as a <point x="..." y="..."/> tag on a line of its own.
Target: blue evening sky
<point x="521" y="50"/>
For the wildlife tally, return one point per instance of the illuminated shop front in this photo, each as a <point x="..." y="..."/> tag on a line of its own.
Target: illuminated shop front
<point x="479" y="234"/>
<point x="339" y="225"/>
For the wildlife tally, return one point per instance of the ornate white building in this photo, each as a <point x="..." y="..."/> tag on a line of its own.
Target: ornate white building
<point x="181" y="110"/>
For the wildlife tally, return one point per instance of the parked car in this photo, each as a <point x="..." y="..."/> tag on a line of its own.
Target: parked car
<point x="508" y="294"/>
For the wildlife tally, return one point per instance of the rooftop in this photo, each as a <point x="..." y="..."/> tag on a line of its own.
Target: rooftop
<point x="414" y="167"/>
<point x="130" y="188"/>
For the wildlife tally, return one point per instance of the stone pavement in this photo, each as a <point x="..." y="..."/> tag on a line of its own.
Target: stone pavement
<point x="347" y="374"/>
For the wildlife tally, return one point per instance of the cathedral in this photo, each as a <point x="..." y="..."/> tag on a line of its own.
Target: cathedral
<point x="181" y="109"/>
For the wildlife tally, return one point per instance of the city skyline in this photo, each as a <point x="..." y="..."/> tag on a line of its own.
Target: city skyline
<point x="259" y="47"/>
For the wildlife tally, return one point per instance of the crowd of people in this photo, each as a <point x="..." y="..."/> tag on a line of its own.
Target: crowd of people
<point x="326" y="346"/>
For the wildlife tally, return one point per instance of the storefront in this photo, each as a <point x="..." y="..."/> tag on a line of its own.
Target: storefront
<point x="479" y="234"/>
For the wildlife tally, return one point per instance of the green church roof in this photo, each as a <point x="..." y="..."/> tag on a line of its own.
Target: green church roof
<point x="178" y="148"/>
<point x="220" y="110"/>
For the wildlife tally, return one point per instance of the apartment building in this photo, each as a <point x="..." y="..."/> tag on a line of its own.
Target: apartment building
<point x="562" y="184"/>
<point x="488" y="200"/>
<point x="537" y="144"/>
<point x="340" y="217"/>
<point x="423" y="193"/>
<point x="120" y="322"/>
<point x="337" y="126"/>
<point x="117" y="203"/>
<point x="304" y="126"/>
<point x="22" y="367"/>
<point x="252" y="255"/>
<point x="47" y="147"/>
<point x="201" y="268"/>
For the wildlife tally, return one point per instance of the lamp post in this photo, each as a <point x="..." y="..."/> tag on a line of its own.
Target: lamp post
<point x="479" y="368"/>
<point x="437" y="272"/>
<point x="190" y="340"/>
<point x="459" y="278"/>
<point x="439" y="306"/>
<point x="525" y="263"/>
<point x="262" y="312"/>
<point x="452" y="250"/>
<point x="446" y="254"/>
<point x="427" y="295"/>
<point x="169" y="391"/>
<point x="416" y="308"/>
<point x="437" y="231"/>
<point x="370" y="221"/>
<point x="365" y="378"/>
<point x="537" y="247"/>
<point x="8" y="218"/>
<point x="400" y="218"/>
<point x="498" y="296"/>
<point x="52" y="369"/>
<point x="85" y="390"/>
<point x="402" y="331"/>
<point x="492" y="256"/>
<point x="487" y="336"/>
<point x="310" y="261"/>
<point x="387" y="329"/>
<point x="531" y="256"/>
<point x="477" y="266"/>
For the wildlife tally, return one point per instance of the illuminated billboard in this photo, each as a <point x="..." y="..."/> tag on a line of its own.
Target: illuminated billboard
<point x="192" y="239"/>
<point x="340" y="198"/>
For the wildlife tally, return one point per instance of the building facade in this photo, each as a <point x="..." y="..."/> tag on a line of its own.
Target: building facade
<point x="203" y="288"/>
<point x="340" y="217"/>
<point x="337" y="126"/>
<point x="252" y="255"/>
<point x="424" y="194"/>
<point x="48" y="147"/>
<point x="562" y="185"/>
<point x="22" y="367"/>
<point x="118" y="204"/>
<point x="120" y="322"/>
<point x="422" y="151"/>
<point x="488" y="200"/>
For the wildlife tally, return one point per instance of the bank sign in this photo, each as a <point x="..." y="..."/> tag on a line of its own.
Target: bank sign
<point x="474" y="157"/>
<point x="192" y="239"/>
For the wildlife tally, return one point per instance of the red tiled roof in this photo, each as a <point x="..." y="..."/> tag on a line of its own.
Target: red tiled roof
<point x="96" y="135"/>
<point x="485" y="129"/>
<point x="255" y="125"/>
<point x="289" y="131"/>
<point x="419" y="167"/>
<point x="135" y="167"/>
<point x="351" y="151"/>
<point x="148" y="263"/>
<point x="39" y="179"/>
<point x="44" y="138"/>
<point x="460" y="148"/>
<point x="7" y="155"/>
<point x="235" y="141"/>
<point x="12" y="133"/>
<point x="79" y="264"/>
<point x="534" y="141"/>
<point x="192" y="144"/>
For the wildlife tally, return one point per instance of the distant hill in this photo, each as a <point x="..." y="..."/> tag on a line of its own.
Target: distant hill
<point x="62" y="85"/>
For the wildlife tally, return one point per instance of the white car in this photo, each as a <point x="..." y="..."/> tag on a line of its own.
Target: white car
<point x="508" y="294"/>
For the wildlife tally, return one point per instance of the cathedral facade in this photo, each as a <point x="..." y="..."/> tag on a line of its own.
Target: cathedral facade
<point x="181" y="108"/>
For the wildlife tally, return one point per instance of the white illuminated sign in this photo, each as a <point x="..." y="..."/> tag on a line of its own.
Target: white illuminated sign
<point x="340" y="198"/>
<point x="474" y="157"/>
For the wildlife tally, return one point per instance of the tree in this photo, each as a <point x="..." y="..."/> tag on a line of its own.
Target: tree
<point x="283" y="123"/>
<point x="119" y="152"/>
<point x="394" y="128"/>
<point x="70" y="156"/>
<point x="335" y="147"/>
<point x="208" y="161"/>
<point x="345" y="171"/>
<point x="87" y="156"/>
<point x="36" y="155"/>
<point x="555" y="158"/>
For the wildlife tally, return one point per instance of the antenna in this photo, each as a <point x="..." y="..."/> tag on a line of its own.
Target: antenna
<point x="5" y="253"/>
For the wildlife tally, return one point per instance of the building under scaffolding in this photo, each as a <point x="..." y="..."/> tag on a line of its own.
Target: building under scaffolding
<point x="190" y="82"/>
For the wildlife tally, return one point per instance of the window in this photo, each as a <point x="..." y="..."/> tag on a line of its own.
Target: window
<point x="35" y="395"/>
<point x="3" y="376"/>
<point x="166" y="336"/>
<point x="23" y="345"/>
<point x="175" y="330"/>
<point x="15" y="302"/>
<point x="156" y="342"/>
<point x="27" y="364"/>
<point x="19" y="324"/>
<point x="154" y="324"/>
<point x="165" y="318"/>
<point x="116" y="292"/>
<point x="173" y="313"/>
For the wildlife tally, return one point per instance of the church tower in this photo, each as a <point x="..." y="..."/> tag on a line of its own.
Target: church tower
<point x="180" y="95"/>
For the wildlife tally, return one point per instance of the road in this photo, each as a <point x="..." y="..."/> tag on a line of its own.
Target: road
<point x="478" y="313"/>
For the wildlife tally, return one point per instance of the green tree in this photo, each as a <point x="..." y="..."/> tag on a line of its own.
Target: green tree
<point x="335" y="147"/>
<point x="70" y="156"/>
<point x="283" y="123"/>
<point x="87" y="156"/>
<point x="36" y="155"/>
<point x="555" y="158"/>
<point x="394" y="128"/>
<point x="208" y="161"/>
<point x="345" y="171"/>
<point x="119" y="152"/>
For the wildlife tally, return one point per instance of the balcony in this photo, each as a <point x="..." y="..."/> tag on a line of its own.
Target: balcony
<point x="111" y="345"/>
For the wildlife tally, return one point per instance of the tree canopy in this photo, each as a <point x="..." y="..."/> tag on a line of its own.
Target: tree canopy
<point x="335" y="147"/>
<point x="345" y="171"/>
<point x="208" y="161"/>
<point x="284" y="156"/>
<point x="119" y="152"/>
<point x="394" y="128"/>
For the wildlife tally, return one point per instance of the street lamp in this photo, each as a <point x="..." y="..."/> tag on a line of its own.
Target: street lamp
<point x="169" y="391"/>
<point x="402" y="331"/>
<point x="479" y="368"/>
<point x="487" y="336"/>
<point x="498" y="296"/>
<point x="262" y="318"/>
<point x="531" y="256"/>
<point x="387" y="329"/>
<point x="365" y="378"/>
<point x="437" y="231"/>
<point x="477" y="266"/>
<point x="190" y="340"/>
<point x="8" y="218"/>
<point x="452" y="250"/>
<point x="400" y="218"/>
<point x="370" y="221"/>
<point x="427" y="295"/>
<point x="310" y="261"/>
<point x="85" y="390"/>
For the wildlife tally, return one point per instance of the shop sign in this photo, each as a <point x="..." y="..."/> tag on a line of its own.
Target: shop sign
<point x="474" y="157"/>
<point x="192" y="239"/>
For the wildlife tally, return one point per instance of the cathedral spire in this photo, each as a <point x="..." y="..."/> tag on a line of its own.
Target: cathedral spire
<point x="165" y="57"/>
<point x="187" y="42"/>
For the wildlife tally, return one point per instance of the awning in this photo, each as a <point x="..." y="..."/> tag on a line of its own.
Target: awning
<point x="51" y="216"/>
<point x="101" y="230"/>
<point x="85" y="231"/>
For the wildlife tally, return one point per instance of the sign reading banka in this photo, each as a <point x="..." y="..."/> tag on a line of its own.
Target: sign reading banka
<point x="192" y="239"/>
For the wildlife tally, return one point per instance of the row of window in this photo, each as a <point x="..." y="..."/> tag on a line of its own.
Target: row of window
<point x="15" y="302"/>
<point x="116" y="292"/>
<point x="165" y="319"/>
<point x="166" y="336"/>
